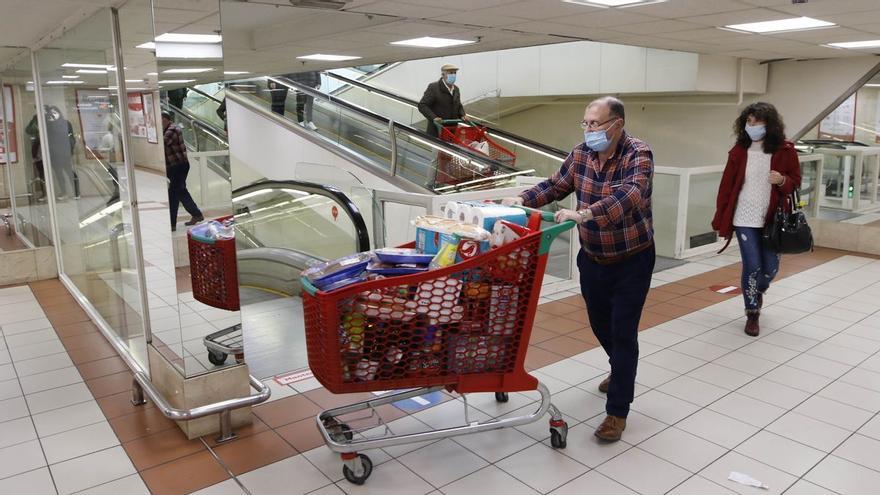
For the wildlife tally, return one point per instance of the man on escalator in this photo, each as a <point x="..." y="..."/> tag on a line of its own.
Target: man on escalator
<point x="442" y="100"/>
<point x="176" y="169"/>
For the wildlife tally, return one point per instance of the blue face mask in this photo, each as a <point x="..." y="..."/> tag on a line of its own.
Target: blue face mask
<point x="597" y="141"/>
<point x="756" y="132"/>
<point x="450" y="78"/>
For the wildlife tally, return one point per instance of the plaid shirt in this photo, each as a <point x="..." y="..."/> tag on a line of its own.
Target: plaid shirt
<point x="619" y="196"/>
<point x="175" y="148"/>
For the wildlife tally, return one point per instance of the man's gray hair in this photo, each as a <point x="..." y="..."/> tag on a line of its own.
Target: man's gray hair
<point x="615" y="106"/>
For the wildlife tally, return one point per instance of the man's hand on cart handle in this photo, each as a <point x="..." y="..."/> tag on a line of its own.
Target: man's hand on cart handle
<point x="577" y="217"/>
<point x="512" y="201"/>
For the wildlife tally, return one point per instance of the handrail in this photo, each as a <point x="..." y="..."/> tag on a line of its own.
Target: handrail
<point x="412" y="103"/>
<point x="438" y="143"/>
<point x="206" y="95"/>
<point x="213" y="130"/>
<point x="363" y="235"/>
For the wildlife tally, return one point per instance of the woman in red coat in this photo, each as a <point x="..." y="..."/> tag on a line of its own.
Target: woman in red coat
<point x="762" y="169"/>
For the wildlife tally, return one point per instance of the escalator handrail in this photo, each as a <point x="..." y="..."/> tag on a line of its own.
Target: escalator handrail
<point x="439" y="143"/>
<point x="361" y="232"/>
<point x="412" y="103"/>
<point x="206" y="95"/>
<point x="218" y="133"/>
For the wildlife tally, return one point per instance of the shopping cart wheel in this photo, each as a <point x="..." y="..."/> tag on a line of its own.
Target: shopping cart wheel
<point x="558" y="434"/>
<point x="339" y="432"/>
<point x="501" y="397"/>
<point x="365" y="471"/>
<point x="216" y="358"/>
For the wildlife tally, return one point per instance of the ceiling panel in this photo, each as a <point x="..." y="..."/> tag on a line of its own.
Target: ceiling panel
<point x="657" y="27"/>
<point x="736" y="17"/>
<point x="688" y="8"/>
<point x="605" y="18"/>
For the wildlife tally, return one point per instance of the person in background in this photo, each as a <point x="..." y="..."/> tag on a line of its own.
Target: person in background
<point x="611" y="175"/>
<point x="278" y="92"/>
<point x="176" y="169"/>
<point x="762" y="169"/>
<point x="62" y="145"/>
<point x="442" y="100"/>
<point x="305" y="103"/>
<point x="176" y="97"/>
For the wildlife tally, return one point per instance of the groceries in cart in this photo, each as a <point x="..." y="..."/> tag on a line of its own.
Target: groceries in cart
<point x="214" y="229"/>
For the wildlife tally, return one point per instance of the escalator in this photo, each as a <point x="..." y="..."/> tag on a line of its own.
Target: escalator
<point x="391" y="147"/>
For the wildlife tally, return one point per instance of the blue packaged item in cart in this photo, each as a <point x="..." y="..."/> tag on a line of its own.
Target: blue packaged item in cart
<point x="433" y="232"/>
<point x="331" y="274"/>
<point x="391" y="270"/>
<point x="403" y="255"/>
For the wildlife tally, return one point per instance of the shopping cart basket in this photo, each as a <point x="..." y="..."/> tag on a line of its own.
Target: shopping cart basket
<point x="464" y="328"/>
<point x="452" y="169"/>
<point x="214" y="276"/>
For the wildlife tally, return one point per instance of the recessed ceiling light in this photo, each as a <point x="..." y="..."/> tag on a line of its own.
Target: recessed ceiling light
<point x="857" y="44"/>
<point x="189" y="38"/>
<point x="431" y="42"/>
<point x="792" y="24"/>
<point x="188" y="70"/>
<point x="177" y="81"/>
<point x="64" y="82"/>
<point x="134" y="80"/>
<point x="152" y="73"/>
<point x="613" y="3"/>
<point x="86" y="66"/>
<point x="328" y="58"/>
<point x="235" y="72"/>
<point x="872" y="85"/>
<point x="91" y="71"/>
<point x="70" y="77"/>
<point x="150" y="45"/>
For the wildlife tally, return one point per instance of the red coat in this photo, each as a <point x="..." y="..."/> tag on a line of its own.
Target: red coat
<point x="785" y="161"/>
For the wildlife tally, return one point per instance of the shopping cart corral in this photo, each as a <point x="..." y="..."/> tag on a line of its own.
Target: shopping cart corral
<point x="463" y="329"/>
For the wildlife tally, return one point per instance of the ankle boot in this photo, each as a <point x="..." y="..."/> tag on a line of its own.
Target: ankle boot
<point x="752" y="327"/>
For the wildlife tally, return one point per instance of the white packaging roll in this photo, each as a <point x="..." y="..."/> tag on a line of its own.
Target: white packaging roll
<point x="464" y="212"/>
<point x="486" y="216"/>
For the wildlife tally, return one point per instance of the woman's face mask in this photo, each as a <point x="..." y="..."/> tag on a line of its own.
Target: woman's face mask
<point x="756" y="132"/>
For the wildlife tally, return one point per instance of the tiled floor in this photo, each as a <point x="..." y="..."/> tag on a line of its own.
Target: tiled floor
<point x="796" y="408"/>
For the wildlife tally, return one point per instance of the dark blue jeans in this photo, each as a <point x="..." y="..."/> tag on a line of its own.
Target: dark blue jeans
<point x="759" y="265"/>
<point x="615" y="295"/>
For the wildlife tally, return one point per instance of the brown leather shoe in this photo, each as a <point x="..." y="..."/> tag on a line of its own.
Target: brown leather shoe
<point x="752" y="327"/>
<point x="611" y="429"/>
<point x="603" y="387"/>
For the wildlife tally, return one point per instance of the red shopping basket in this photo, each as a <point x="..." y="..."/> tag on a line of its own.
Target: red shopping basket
<point x="452" y="170"/>
<point x="213" y="270"/>
<point x="466" y="326"/>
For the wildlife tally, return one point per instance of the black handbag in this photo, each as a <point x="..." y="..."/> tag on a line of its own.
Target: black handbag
<point x="789" y="233"/>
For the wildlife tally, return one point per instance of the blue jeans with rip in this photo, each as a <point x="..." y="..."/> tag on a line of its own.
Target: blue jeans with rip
<point x="759" y="265"/>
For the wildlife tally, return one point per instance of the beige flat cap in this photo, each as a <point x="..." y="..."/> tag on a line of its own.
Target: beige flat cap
<point x="447" y="67"/>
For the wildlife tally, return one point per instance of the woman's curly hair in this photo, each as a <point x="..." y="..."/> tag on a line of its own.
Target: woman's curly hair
<point x="766" y="113"/>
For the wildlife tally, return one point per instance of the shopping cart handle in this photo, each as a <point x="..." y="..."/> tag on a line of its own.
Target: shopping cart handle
<point x="549" y="234"/>
<point x="545" y="215"/>
<point x="307" y="286"/>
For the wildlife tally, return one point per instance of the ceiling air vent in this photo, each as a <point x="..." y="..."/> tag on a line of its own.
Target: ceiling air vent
<point x="321" y="4"/>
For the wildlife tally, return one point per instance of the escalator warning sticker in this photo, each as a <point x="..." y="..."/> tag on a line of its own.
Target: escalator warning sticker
<point x="335" y="212"/>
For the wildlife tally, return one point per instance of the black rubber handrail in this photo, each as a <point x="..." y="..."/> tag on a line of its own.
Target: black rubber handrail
<point x="492" y="130"/>
<point x="361" y="232"/>
<point x="206" y="95"/>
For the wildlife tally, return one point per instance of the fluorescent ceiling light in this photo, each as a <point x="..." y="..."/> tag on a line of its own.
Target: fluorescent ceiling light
<point x="613" y="3"/>
<point x="177" y="81"/>
<point x="114" y="88"/>
<point x="857" y="44"/>
<point x="70" y="77"/>
<point x="328" y="58"/>
<point x="189" y="38"/>
<point x="91" y="71"/>
<point x="235" y="72"/>
<point x="86" y="66"/>
<point x="792" y="24"/>
<point x="134" y="80"/>
<point x="150" y="45"/>
<point x="872" y="85"/>
<point x="431" y="42"/>
<point x="187" y="71"/>
<point x="64" y="82"/>
<point x="152" y="73"/>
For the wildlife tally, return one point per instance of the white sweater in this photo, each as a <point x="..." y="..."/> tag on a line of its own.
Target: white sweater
<point x="754" y="198"/>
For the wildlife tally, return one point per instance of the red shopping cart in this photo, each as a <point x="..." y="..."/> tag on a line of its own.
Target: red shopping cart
<point x="452" y="170"/>
<point x="464" y="328"/>
<point x="214" y="277"/>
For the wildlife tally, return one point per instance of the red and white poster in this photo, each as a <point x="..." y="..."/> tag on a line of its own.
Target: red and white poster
<point x="841" y="122"/>
<point x="137" y="125"/>
<point x="12" y="138"/>
<point x="150" y="117"/>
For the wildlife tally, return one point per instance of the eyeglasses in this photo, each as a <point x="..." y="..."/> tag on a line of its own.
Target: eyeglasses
<point x="595" y="125"/>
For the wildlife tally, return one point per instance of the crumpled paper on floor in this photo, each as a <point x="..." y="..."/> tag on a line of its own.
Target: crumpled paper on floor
<point x="747" y="480"/>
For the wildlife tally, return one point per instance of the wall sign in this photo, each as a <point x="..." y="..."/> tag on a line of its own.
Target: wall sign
<point x="137" y="126"/>
<point x="12" y="139"/>
<point x="841" y="123"/>
<point x="94" y="108"/>
<point x="150" y="117"/>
